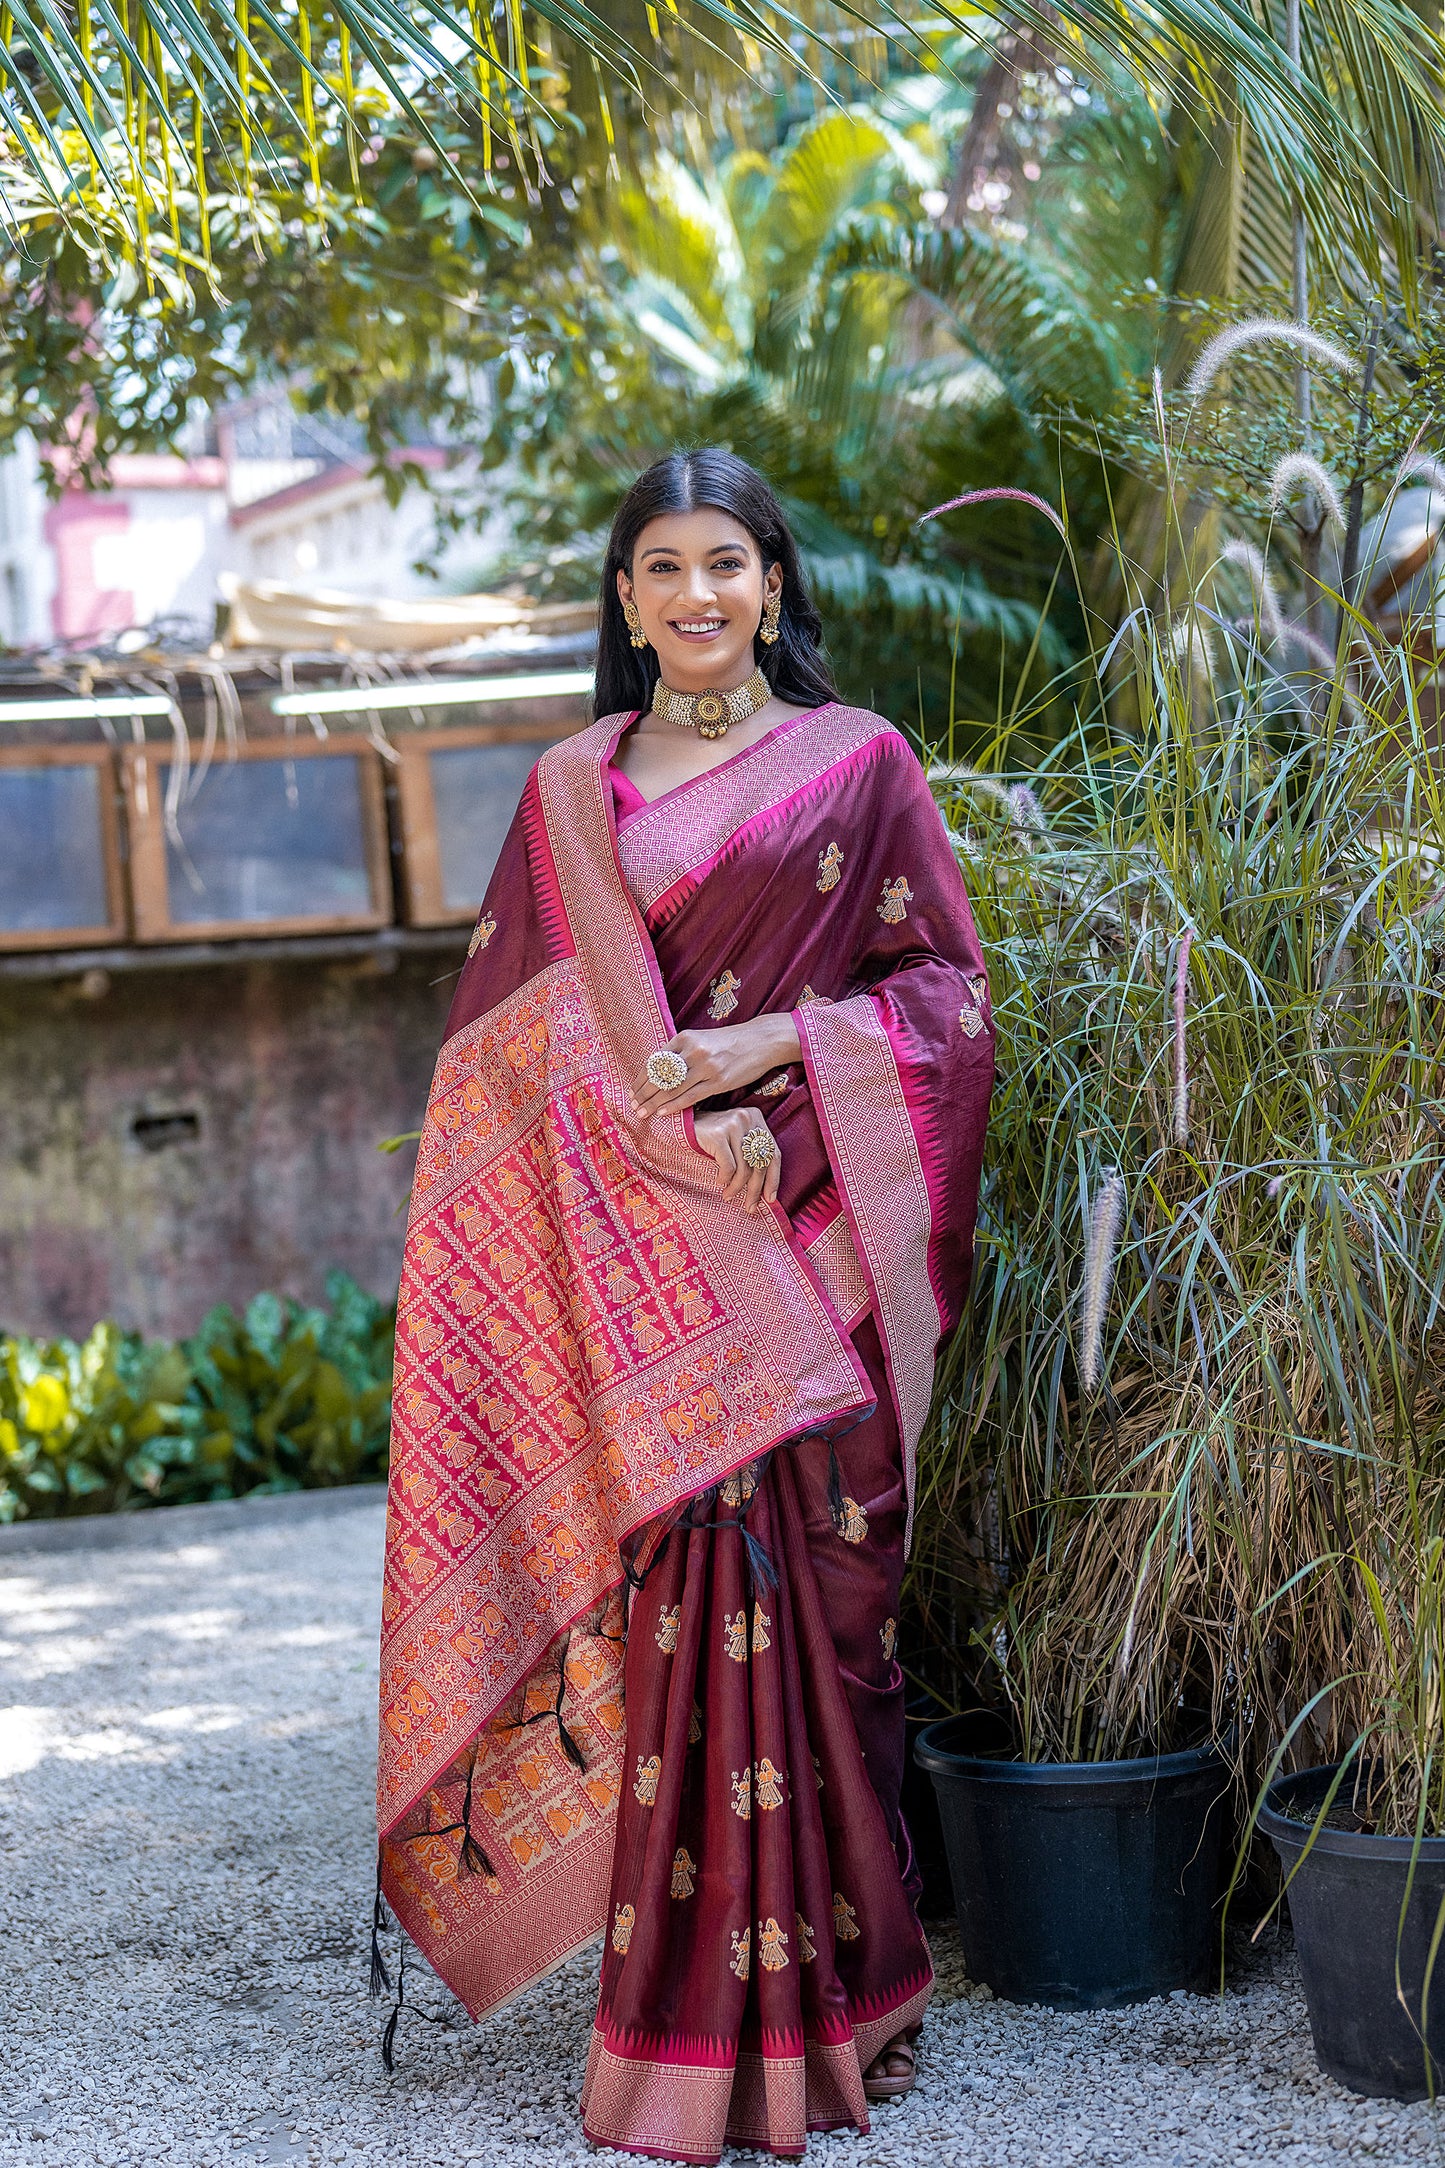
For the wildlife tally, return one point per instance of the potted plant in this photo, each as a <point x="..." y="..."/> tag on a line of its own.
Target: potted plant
<point x="1209" y="1257"/>
<point x="1361" y="1841"/>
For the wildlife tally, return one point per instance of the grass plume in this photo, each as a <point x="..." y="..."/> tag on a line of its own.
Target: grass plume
<point x="1104" y="1222"/>
<point x="1298" y="471"/>
<point x="1266" y="596"/>
<point x="1180" y="1124"/>
<point x="1263" y="331"/>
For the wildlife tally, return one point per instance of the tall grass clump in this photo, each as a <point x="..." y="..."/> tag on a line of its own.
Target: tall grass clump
<point x="1186" y="1476"/>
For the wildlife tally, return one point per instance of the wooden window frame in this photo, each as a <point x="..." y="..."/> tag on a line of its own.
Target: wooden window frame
<point x="116" y="926"/>
<point x="145" y="821"/>
<point x="420" y="888"/>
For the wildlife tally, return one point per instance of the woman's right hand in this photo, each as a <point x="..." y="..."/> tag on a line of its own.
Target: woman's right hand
<point x="721" y="1136"/>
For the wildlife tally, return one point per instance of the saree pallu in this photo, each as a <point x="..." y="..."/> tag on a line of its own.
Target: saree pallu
<point x="592" y="1347"/>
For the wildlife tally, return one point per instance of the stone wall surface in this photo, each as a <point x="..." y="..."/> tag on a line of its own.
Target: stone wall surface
<point x="192" y="1136"/>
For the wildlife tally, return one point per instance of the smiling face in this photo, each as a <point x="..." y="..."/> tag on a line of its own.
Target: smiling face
<point x="699" y="582"/>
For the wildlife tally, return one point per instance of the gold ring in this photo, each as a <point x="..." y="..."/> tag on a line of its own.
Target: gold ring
<point x="666" y="1070"/>
<point x="758" y="1147"/>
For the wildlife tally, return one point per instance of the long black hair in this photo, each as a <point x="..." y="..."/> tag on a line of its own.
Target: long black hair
<point x="794" y="665"/>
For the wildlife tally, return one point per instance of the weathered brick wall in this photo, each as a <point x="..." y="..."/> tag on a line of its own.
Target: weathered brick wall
<point x="278" y="1079"/>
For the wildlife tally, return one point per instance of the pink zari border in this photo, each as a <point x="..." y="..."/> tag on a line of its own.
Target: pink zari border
<point x="682" y="831"/>
<point x="853" y="1074"/>
<point x="691" y="2111"/>
<point x="834" y="1258"/>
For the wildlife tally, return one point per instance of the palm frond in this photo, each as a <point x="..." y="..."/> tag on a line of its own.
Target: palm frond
<point x="1357" y="143"/>
<point x="849" y="577"/>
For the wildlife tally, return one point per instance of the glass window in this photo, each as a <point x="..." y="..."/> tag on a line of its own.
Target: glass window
<point x="270" y="839"/>
<point x="475" y="789"/>
<point x="52" y="865"/>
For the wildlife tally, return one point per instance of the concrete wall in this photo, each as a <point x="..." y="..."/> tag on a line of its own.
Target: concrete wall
<point x="261" y="1091"/>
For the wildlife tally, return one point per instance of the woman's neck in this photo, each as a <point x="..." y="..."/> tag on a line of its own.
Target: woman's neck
<point x="658" y="756"/>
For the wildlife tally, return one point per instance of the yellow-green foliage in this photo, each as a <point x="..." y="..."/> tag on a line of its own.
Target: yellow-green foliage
<point x="280" y="1398"/>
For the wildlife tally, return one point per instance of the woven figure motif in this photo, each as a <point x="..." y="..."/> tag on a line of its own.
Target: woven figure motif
<point x="897" y="895"/>
<point x="772" y="1946"/>
<point x="723" y="995"/>
<point x="767" y="1784"/>
<point x="854" y="1527"/>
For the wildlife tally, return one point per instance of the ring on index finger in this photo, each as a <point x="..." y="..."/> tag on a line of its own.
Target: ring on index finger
<point x="666" y="1069"/>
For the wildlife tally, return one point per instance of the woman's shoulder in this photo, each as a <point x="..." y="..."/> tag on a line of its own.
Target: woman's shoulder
<point x="862" y="723"/>
<point x="585" y="744"/>
<point x="861" y="734"/>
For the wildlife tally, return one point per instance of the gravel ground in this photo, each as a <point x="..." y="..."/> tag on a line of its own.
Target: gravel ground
<point x="185" y="1810"/>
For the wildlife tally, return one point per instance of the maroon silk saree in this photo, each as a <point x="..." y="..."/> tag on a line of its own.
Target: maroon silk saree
<point x="605" y="1370"/>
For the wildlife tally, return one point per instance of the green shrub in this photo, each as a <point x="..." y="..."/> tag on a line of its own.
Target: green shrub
<point x="280" y="1398"/>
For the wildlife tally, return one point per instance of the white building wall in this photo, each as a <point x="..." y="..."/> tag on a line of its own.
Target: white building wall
<point x="168" y="556"/>
<point x="155" y="546"/>
<point x="348" y="537"/>
<point x="27" y="564"/>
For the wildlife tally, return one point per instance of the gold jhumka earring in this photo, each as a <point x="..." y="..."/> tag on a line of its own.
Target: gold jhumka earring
<point x="634" y="624"/>
<point x="768" y="629"/>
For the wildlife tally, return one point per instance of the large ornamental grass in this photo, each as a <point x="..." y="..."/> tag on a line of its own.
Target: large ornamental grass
<point x="1186" y="1475"/>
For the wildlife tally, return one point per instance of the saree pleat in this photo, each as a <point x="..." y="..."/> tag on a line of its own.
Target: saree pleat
<point x="762" y="1944"/>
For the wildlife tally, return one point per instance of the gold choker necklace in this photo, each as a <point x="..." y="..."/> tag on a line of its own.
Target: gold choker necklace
<point x="711" y="715"/>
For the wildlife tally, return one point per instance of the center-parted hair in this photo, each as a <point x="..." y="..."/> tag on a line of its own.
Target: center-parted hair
<point x="719" y="481"/>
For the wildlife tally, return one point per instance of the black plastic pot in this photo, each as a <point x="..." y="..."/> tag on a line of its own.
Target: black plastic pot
<point x="1084" y="1885"/>
<point x="1345" y="1903"/>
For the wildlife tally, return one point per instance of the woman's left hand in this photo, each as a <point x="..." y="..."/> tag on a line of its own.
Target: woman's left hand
<point x="718" y="1062"/>
<point x="722" y="1136"/>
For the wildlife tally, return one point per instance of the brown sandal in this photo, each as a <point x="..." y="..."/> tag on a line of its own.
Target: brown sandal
<point x="886" y="2088"/>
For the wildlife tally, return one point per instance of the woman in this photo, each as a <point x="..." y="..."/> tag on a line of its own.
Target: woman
<point x="693" y="1209"/>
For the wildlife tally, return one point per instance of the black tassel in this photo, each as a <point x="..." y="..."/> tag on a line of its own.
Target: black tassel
<point x="760" y="1566"/>
<point x="636" y="1581"/>
<point x="380" y="1977"/>
<point x="388" y="2038"/>
<point x="761" y="1571"/>
<point x="570" y="1747"/>
<point x="472" y="1859"/>
<point x="835" y="1490"/>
